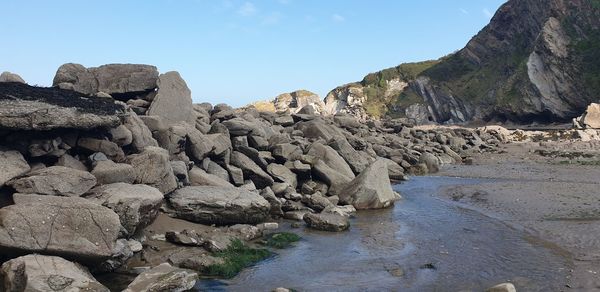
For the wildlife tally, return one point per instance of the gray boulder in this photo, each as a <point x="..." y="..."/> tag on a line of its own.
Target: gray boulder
<point x="71" y="162"/>
<point x="55" y="180"/>
<point x="241" y="127"/>
<point x="164" y="277"/>
<point x="110" y="149"/>
<point x="251" y="170"/>
<point x="108" y="172"/>
<point x="141" y="136"/>
<point x="111" y="78"/>
<point x="152" y="167"/>
<point x="12" y="164"/>
<point x="173" y="101"/>
<point x="283" y="174"/>
<point x="432" y="162"/>
<point x="219" y="205"/>
<point x="371" y="189"/>
<point x="46" y="273"/>
<point x="136" y="205"/>
<point x="199" y="177"/>
<point x="70" y="227"/>
<point x="334" y="179"/>
<point x="357" y="161"/>
<point x="331" y="158"/>
<point x="11" y="77"/>
<point x="327" y="222"/>
<point x="317" y="128"/>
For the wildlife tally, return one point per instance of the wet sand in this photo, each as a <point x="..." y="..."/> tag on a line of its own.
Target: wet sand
<point x="556" y="199"/>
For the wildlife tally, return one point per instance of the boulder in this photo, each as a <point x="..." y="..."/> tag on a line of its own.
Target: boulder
<point x="286" y="151"/>
<point x="331" y="158"/>
<point x="111" y="78"/>
<point x="24" y="107"/>
<point x="46" y="273"/>
<point x="110" y="149"/>
<point x="591" y="118"/>
<point x="173" y="101"/>
<point x="11" y="77"/>
<point x="108" y="172"/>
<point x="357" y="161"/>
<point x="121" y="136"/>
<point x="55" y="180"/>
<point x="194" y="259"/>
<point x="136" y="205"/>
<point x="164" y="277"/>
<point x="283" y="174"/>
<point x="71" y="162"/>
<point x="241" y="127"/>
<point x="269" y="195"/>
<point x="12" y="164"/>
<point x="317" y="128"/>
<point x="334" y="179"/>
<point x="432" y="162"/>
<point x="199" y="177"/>
<point x="371" y="189"/>
<point x="219" y="205"/>
<point x="70" y="227"/>
<point x="152" y="167"/>
<point x="199" y="146"/>
<point x="251" y="170"/>
<point x="141" y="137"/>
<point x="327" y="222"/>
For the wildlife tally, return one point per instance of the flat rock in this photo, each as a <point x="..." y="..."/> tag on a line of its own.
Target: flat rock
<point x="56" y="181"/>
<point x="219" y="205"/>
<point x="108" y="172"/>
<point x="199" y="177"/>
<point x="70" y="227"/>
<point x="327" y="222"/>
<point x="136" y="205"/>
<point x="47" y="273"/>
<point x="164" y="277"/>
<point x="12" y="164"/>
<point x="173" y="101"/>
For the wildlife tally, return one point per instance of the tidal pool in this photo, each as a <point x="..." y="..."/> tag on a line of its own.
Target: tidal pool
<point x="423" y="243"/>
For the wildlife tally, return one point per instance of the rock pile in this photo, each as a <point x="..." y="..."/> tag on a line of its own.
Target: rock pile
<point x="91" y="162"/>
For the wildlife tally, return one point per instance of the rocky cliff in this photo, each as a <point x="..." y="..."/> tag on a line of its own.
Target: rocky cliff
<point x="537" y="60"/>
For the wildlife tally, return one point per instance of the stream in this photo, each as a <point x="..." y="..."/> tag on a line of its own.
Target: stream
<point x="423" y="243"/>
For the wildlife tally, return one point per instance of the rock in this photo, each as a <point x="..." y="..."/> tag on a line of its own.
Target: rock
<point x="285" y="121"/>
<point x="108" y="148"/>
<point x="327" y="222"/>
<point x="318" y="129"/>
<point x="24" y="107"/>
<point x="71" y="162"/>
<point x="395" y="171"/>
<point x="432" y="162"/>
<point x="286" y="151"/>
<point x="199" y="145"/>
<point x="356" y="160"/>
<point x="55" y="180"/>
<point x="173" y="101"/>
<point x="591" y="117"/>
<point x="371" y="189"/>
<point x="108" y="172"/>
<point x="121" y="136"/>
<point x="47" y="273"/>
<point x="281" y="289"/>
<point x="282" y="174"/>
<point x="136" y="205"/>
<point x="346" y="211"/>
<point x="219" y="205"/>
<point x="199" y="177"/>
<point x="241" y="127"/>
<point x="164" y="277"/>
<point x="334" y="179"/>
<point x="195" y="259"/>
<point x="64" y="226"/>
<point x="236" y="174"/>
<point x="331" y="158"/>
<point x="152" y="167"/>
<point x="269" y="195"/>
<point x="296" y="215"/>
<point x="180" y="170"/>
<point x="141" y="136"/>
<point x="504" y="287"/>
<point x="111" y="78"/>
<point x="317" y="202"/>
<point x="251" y="170"/>
<point x="12" y="164"/>
<point x="11" y="77"/>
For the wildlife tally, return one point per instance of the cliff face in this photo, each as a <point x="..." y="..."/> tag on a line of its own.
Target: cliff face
<point x="537" y="60"/>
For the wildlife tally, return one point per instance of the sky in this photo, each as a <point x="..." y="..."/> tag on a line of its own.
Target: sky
<point x="237" y="51"/>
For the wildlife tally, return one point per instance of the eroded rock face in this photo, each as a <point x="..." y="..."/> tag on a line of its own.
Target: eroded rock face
<point x="173" y="101"/>
<point x="64" y="226"/>
<point x="56" y="181"/>
<point x="12" y="164"/>
<point x="371" y="189"/>
<point x="219" y="205"/>
<point x="24" y="107"/>
<point x="136" y="205"/>
<point x="164" y="277"/>
<point x="47" y="273"/>
<point x="110" y="78"/>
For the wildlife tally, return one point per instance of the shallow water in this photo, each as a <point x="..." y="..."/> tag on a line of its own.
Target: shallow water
<point x="422" y="244"/>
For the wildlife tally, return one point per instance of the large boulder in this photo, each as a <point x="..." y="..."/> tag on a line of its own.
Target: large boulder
<point x="46" y="273"/>
<point x="110" y="78"/>
<point x="164" y="277"/>
<point x="357" y="161"/>
<point x="219" y="205"/>
<point x="251" y="170"/>
<point x="110" y="149"/>
<point x="136" y="205"/>
<point x="331" y="158"/>
<point x="327" y="222"/>
<point x="152" y="167"/>
<point x="55" y="180"/>
<point x="591" y="118"/>
<point x="333" y="178"/>
<point x="241" y="127"/>
<point x="199" y="177"/>
<point x="108" y="172"/>
<point x="371" y="189"/>
<point x="283" y="174"/>
<point x="317" y="128"/>
<point x="12" y="164"/>
<point x="140" y="133"/>
<point x="24" y="107"/>
<point x="173" y="101"/>
<point x="70" y="227"/>
<point x="11" y="77"/>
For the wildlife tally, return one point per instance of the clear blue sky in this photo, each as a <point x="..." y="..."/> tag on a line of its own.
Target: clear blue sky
<point x="237" y="51"/>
